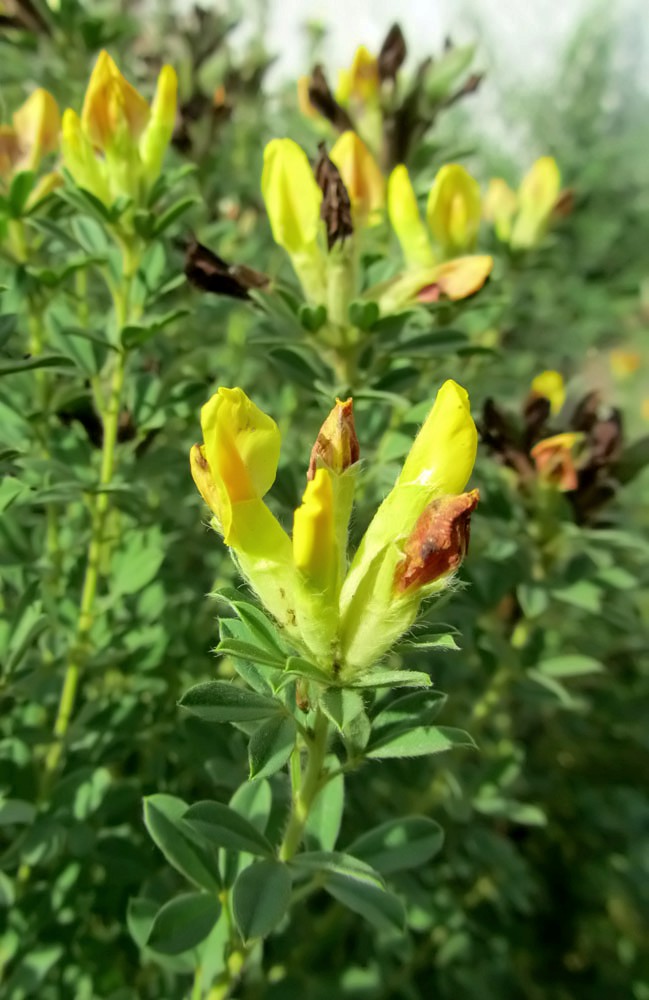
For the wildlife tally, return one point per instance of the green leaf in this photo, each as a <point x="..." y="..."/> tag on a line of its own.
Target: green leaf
<point x="221" y="701"/>
<point x="391" y="678"/>
<point x="223" y="827"/>
<point x="409" y="710"/>
<point x="399" y="844"/>
<point x="19" y="192"/>
<point x="323" y="825"/>
<point x="183" y="923"/>
<point x="363" y="314"/>
<point x="312" y="318"/>
<point x="250" y="651"/>
<point x="172" y="213"/>
<point x="16" y="811"/>
<point x="163" y="817"/>
<point x="419" y="741"/>
<point x="135" y="335"/>
<point x="356" y="885"/>
<point x="573" y="665"/>
<point x="58" y="361"/>
<point x="302" y="668"/>
<point x="341" y="706"/>
<point x="271" y="746"/>
<point x="444" y="73"/>
<point x="260" y="898"/>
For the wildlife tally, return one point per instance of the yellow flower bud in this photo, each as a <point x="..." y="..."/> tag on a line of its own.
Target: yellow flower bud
<point x="9" y="151"/>
<point x="361" y="81"/>
<point x="37" y="125"/>
<point x="158" y="133"/>
<point x="314" y="537"/>
<point x="361" y="176"/>
<point x="113" y="110"/>
<point x="336" y="446"/>
<point x="291" y="195"/>
<point x="443" y="454"/>
<point x="537" y="197"/>
<point x="499" y="207"/>
<point x="550" y="385"/>
<point x="406" y="221"/>
<point x="453" y="210"/>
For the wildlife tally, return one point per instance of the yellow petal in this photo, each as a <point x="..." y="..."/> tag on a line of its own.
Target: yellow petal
<point x="158" y="133"/>
<point x="112" y="106"/>
<point x="406" y="221"/>
<point x="454" y="209"/>
<point x="624" y="363"/>
<point x="9" y="151"/>
<point x="37" y="124"/>
<point x="80" y="159"/>
<point x="241" y="446"/>
<point x="537" y="197"/>
<point x="361" y="176"/>
<point x="303" y="99"/>
<point x="291" y="195"/>
<point x="314" y="537"/>
<point x="550" y="384"/>
<point x="444" y="451"/>
<point x="361" y="81"/>
<point x="499" y="207"/>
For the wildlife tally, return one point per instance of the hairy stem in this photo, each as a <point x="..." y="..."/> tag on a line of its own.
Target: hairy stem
<point x="305" y="787"/>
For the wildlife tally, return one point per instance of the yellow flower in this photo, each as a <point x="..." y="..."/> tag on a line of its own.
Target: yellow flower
<point x="117" y="146"/>
<point x="112" y="109"/>
<point x="375" y="608"/>
<point x="361" y="176"/>
<point x="361" y="81"/>
<point x="521" y="219"/>
<point x="415" y="542"/>
<point x="314" y="536"/>
<point x="555" y="460"/>
<point x="499" y="207"/>
<point x="453" y="210"/>
<point x="33" y="134"/>
<point x="293" y="201"/>
<point x="624" y="363"/>
<point x="537" y="197"/>
<point x="453" y="279"/>
<point x="550" y="384"/>
<point x="406" y="221"/>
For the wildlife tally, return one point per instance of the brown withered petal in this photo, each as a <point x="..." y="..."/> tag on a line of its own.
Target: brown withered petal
<point x="393" y="53"/>
<point x="323" y="100"/>
<point x="438" y="542"/>
<point x="605" y="440"/>
<point x="336" y="209"/>
<point x="565" y="203"/>
<point x="210" y="273"/>
<point x="585" y="415"/>
<point x="535" y="414"/>
<point x="336" y="445"/>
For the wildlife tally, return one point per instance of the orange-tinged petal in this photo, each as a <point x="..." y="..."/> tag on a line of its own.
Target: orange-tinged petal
<point x="438" y="543"/>
<point x="361" y="176"/>
<point x="555" y="461"/>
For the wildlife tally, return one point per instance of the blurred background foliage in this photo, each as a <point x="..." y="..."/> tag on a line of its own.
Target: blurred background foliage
<point x="542" y="887"/>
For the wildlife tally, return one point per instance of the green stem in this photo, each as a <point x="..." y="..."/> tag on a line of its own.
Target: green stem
<point x="305" y="789"/>
<point x="80" y="649"/>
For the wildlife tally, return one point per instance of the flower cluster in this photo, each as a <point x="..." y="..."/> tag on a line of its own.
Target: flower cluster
<point x="343" y="616"/>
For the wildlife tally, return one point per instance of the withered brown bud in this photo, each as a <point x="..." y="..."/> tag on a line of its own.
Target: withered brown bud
<point x="393" y="53"/>
<point x="323" y="100"/>
<point x="336" y="209"/>
<point x="438" y="542"/>
<point x="206" y="270"/>
<point x="336" y="445"/>
<point x="605" y="440"/>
